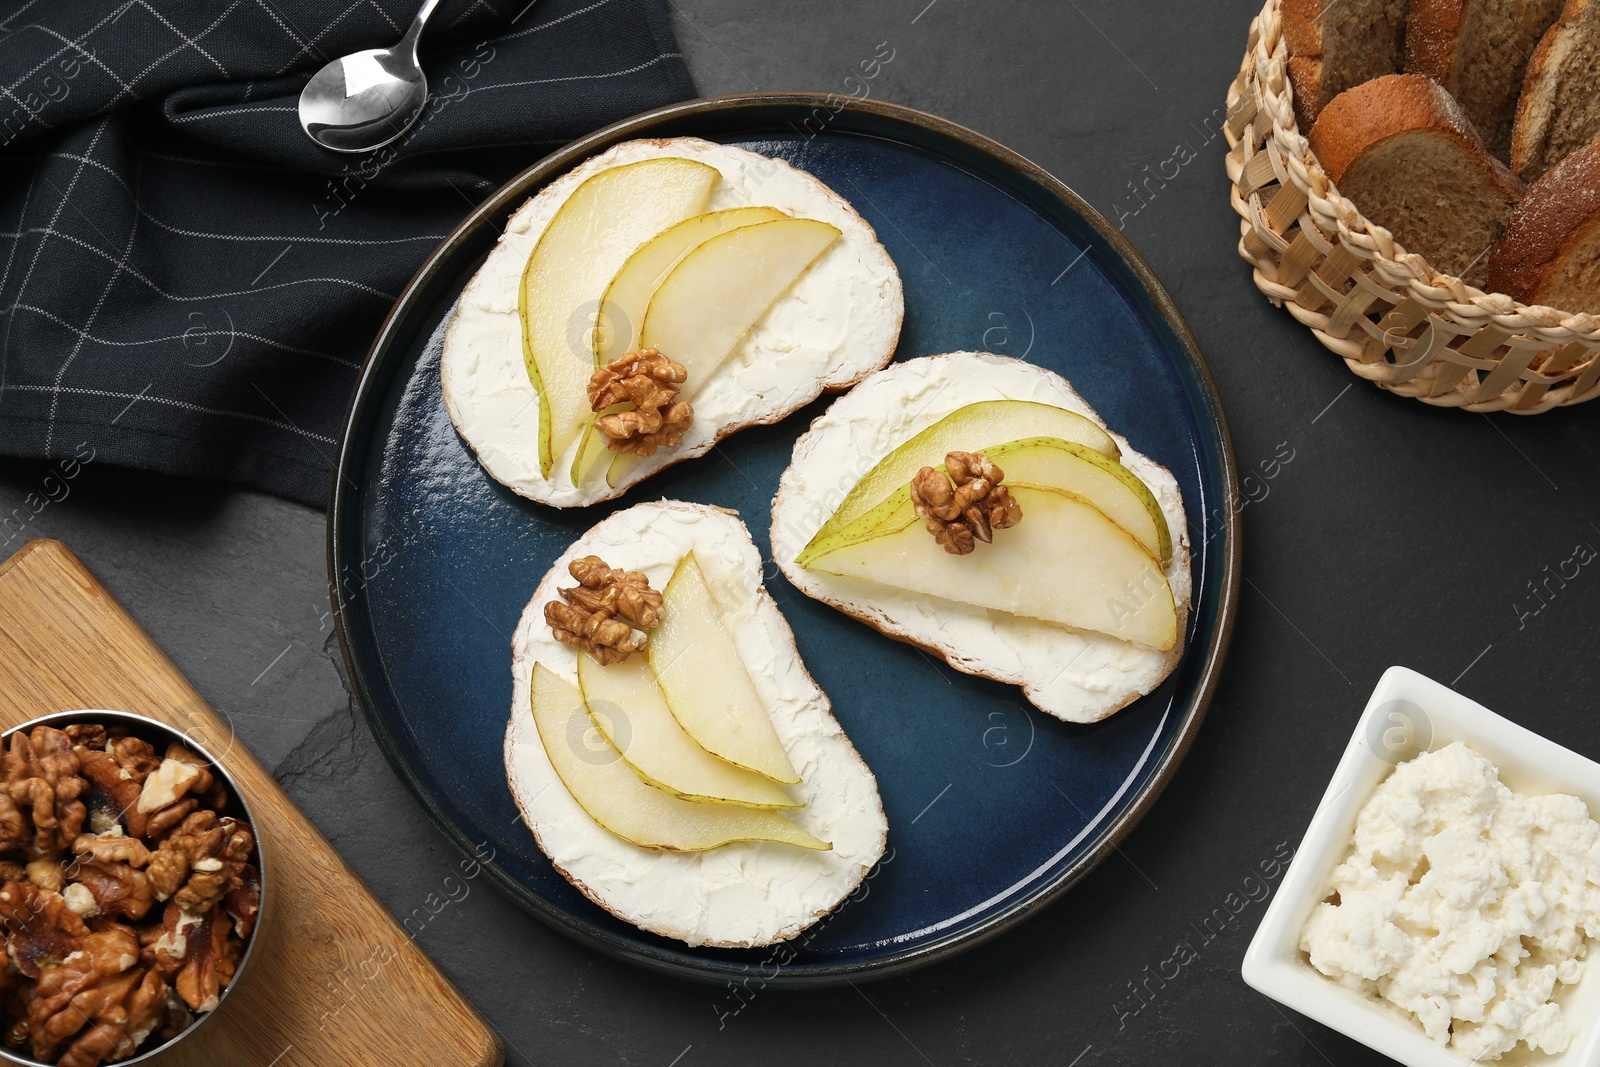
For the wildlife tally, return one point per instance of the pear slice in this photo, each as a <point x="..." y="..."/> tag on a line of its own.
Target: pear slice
<point x="617" y="799"/>
<point x="1065" y="562"/>
<point x="719" y="291"/>
<point x="1055" y="464"/>
<point x="591" y="236"/>
<point x="627" y="707"/>
<point x="628" y="296"/>
<point x="1038" y="461"/>
<point x="705" y="681"/>
<point x="592" y="453"/>
<point x="724" y="286"/>
<point x="977" y="427"/>
<point x="622" y="308"/>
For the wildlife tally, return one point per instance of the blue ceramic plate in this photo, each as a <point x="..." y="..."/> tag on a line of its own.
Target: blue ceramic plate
<point x="994" y="808"/>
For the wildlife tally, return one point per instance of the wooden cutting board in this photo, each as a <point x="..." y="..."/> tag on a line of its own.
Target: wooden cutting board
<point x="333" y="979"/>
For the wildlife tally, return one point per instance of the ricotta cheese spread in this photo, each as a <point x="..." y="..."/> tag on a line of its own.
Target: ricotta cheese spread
<point x="1076" y="675"/>
<point x="839" y="321"/>
<point x="1464" y="904"/>
<point x="742" y="894"/>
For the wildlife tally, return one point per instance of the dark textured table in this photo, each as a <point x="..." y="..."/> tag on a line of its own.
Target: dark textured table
<point x="1377" y="531"/>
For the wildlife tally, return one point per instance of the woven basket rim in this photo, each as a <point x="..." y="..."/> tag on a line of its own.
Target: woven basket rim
<point x="1354" y="229"/>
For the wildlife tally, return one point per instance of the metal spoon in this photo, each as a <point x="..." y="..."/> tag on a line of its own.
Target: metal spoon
<point x="365" y="100"/>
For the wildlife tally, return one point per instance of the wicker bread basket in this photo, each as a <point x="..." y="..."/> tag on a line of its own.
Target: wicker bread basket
<point x="1394" y="319"/>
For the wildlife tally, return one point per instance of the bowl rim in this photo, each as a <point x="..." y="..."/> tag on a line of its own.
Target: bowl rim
<point x="1273" y="964"/>
<point x="145" y="722"/>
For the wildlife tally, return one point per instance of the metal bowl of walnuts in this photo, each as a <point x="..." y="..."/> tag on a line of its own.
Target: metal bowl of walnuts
<point x="131" y="888"/>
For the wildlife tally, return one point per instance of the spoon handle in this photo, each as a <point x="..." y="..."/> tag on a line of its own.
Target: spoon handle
<point x="415" y="32"/>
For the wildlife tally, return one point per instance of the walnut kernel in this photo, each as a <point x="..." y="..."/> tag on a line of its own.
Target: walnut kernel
<point x="41" y="784"/>
<point x="650" y="382"/>
<point x="608" y="613"/>
<point x="965" y="503"/>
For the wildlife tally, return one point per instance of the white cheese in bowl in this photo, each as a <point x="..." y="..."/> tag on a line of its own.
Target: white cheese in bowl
<point x="1464" y="904"/>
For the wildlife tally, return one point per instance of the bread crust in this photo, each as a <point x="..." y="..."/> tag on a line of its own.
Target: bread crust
<point x="1479" y="55"/>
<point x="1533" y="108"/>
<point x="1360" y="118"/>
<point x="1532" y="126"/>
<point x="1554" y="215"/>
<point x="1304" y="41"/>
<point x="1432" y="32"/>
<point x="1300" y="31"/>
<point x="1305" y="80"/>
<point x="1313" y="80"/>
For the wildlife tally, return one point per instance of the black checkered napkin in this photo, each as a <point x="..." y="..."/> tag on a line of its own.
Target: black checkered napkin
<point x="187" y="283"/>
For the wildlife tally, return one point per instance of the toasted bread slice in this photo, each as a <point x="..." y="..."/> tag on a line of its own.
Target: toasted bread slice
<point x="1335" y="45"/>
<point x="839" y="322"/>
<point x="738" y="895"/>
<point x="1559" y="111"/>
<point x="1075" y="675"/>
<point x="1550" y="251"/>
<point x="1404" y="152"/>
<point x="1479" y="51"/>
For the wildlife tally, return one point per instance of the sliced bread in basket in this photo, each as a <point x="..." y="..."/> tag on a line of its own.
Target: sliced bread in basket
<point x="1479" y="51"/>
<point x="1559" y="111"/>
<point x="1403" y="151"/>
<point x="1550" y="251"/>
<point x="1336" y="45"/>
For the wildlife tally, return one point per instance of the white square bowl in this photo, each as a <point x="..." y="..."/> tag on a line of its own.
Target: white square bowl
<point x="1406" y="715"/>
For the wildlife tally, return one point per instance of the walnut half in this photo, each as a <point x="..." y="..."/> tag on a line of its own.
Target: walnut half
<point x="607" y="614"/>
<point x="41" y="786"/>
<point x="650" y="382"/>
<point x="40" y="930"/>
<point x="96" y="1003"/>
<point x="201" y="861"/>
<point x="965" y="505"/>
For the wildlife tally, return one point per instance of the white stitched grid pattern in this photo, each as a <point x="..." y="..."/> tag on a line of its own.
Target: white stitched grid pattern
<point x="168" y="284"/>
<point x="185" y="405"/>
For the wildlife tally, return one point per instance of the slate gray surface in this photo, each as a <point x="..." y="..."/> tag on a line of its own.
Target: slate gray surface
<point x="1395" y="534"/>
